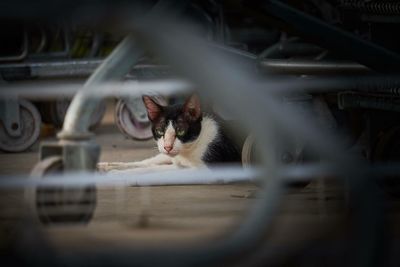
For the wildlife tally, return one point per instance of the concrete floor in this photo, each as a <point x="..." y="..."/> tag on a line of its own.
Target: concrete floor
<point x="129" y="216"/>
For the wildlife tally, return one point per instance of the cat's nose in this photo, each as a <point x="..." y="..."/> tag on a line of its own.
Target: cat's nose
<point x="168" y="148"/>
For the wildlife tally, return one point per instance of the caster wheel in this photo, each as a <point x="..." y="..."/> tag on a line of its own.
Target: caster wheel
<point x="249" y="153"/>
<point x="60" y="205"/>
<point x="30" y="123"/>
<point x="54" y="112"/>
<point x="130" y="124"/>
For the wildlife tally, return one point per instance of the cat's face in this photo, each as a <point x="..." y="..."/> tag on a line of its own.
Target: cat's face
<point x="174" y="127"/>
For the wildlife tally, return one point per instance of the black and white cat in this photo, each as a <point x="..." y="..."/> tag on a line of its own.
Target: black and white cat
<point x="186" y="138"/>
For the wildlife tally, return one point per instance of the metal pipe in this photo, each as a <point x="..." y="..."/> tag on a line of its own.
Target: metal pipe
<point x="310" y="67"/>
<point x="117" y="64"/>
<point x="49" y="69"/>
<point x="138" y="177"/>
<point x="45" y="89"/>
<point x="64" y="68"/>
<point x="215" y="175"/>
<point x="68" y="88"/>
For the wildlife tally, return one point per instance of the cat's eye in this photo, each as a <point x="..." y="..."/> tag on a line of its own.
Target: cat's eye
<point x="180" y="132"/>
<point x="159" y="132"/>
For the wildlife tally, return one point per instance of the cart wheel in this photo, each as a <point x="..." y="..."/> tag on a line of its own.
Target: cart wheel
<point x="249" y="153"/>
<point x="55" y="205"/>
<point x="54" y="112"/>
<point x="30" y="123"/>
<point x="129" y="125"/>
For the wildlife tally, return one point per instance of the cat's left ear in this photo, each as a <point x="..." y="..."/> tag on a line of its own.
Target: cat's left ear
<point x="191" y="108"/>
<point x="153" y="109"/>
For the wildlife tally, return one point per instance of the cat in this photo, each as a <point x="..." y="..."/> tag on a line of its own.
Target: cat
<point x="186" y="138"/>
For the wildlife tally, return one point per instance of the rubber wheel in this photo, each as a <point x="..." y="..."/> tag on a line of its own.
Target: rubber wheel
<point x="60" y="205"/>
<point x="30" y="123"/>
<point x="129" y="125"/>
<point x="249" y="153"/>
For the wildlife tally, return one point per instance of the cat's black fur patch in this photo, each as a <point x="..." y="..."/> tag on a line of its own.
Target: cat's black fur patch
<point x="221" y="150"/>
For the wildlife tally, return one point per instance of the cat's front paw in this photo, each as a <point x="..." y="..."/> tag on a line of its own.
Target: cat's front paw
<point x="108" y="166"/>
<point x="103" y="167"/>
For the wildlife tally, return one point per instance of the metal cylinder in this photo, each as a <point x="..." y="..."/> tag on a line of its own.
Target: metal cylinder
<point x="299" y="67"/>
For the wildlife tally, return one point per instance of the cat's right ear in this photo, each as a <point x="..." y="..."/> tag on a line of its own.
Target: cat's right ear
<point x="153" y="109"/>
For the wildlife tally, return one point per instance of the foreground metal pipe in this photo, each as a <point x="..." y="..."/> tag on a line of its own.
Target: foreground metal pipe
<point x="282" y="85"/>
<point x="77" y="119"/>
<point x="310" y="67"/>
<point x="138" y="177"/>
<point x="216" y="175"/>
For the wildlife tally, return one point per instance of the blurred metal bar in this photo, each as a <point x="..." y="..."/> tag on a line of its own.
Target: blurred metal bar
<point x="83" y="68"/>
<point x="216" y="175"/>
<point x="68" y="88"/>
<point x="65" y="68"/>
<point x="310" y="67"/>
<point x="48" y="69"/>
<point x="138" y="177"/>
<point x="43" y="89"/>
